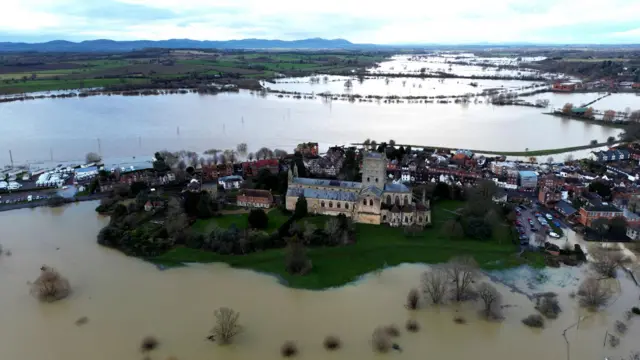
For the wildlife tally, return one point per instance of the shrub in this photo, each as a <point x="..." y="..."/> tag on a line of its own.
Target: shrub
<point x="535" y="321"/>
<point x="332" y="342"/>
<point x="258" y="219"/>
<point x="614" y="341"/>
<point x="635" y="310"/>
<point x="149" y="343"/>
<point x="593" y="293"/>
<point x="380" y="340"/>
<point x="289" y="349"/>
<point x="413" y="298"/>
<point x="226" y="327"/>
<point x="412" y="326"/>
<point x="459" y="320"/>
<point x="548" y="306"/>
<point x="50" y="285"/>
<point x="392" y="330"/>
<point x="296" y="259"/>
<point x="621" y="327"/>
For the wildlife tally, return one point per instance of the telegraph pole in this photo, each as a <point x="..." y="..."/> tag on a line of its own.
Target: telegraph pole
<point x="11" y="157"/>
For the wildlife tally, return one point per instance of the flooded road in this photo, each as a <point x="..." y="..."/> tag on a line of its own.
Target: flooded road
<point x="126" y="299"/>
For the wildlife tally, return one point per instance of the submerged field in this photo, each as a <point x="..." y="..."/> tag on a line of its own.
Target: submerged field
<point x="376" y="247"/>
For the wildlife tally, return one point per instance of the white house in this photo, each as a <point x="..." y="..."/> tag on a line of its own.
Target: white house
<point x="633" y="233"/>
<point x="230" y="182"/>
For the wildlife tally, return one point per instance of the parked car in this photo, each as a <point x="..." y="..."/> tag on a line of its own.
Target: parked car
<point x="533" y="229"/>
<point x="548" y="216"/>
<point x="554" y="235"/>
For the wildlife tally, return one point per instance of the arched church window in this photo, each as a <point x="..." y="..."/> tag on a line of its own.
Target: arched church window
<point x="419" y="218"/>
<point x="346" y="205"/>
<point x="322" y="204"/>
<point x="370" y="202"/>
<point x="364" y="202"/>
<point x="368" y="179"/>
<point x="330" y="204"/>
<point x="376" y="180"/>
<point x="384" y="217"/>
<point x="406" y="219"/>
<point x="388" y="199"/>
<point x="406" y="200"/>
<point x="338" y="205"/>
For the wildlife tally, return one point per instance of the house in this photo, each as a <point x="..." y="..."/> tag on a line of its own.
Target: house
<point x="230" y="182"/>
<point x="527" y="179"/>
<point x="602" y="211"/>
<point x="252" y="168"/>
<point x="633" y="232"/>
<point x="549" y="196"/>
<point x="255" y="198"/>
<point x="565" y="208"/>
<point x="308" y="149"/>
<point x="610" y="155"/>
<point x="563" y="87"/>
<point x="500" y="197"/>
<point x="153" y="205"/>
<point x="550" y="181"/>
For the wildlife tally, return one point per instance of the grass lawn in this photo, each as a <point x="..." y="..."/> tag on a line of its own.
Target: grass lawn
<point x="276" y="219"/>
<point x="375" y="247"/>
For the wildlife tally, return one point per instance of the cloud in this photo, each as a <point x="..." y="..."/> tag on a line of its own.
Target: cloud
<point x="399" y="21"/>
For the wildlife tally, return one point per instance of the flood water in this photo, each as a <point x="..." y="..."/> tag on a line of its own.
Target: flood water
<point x="396" y="86"/>
<point x="126" y="299"/>
<point x="118" y="126"/>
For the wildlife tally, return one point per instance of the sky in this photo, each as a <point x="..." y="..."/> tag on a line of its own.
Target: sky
<point x="359" y="21"/>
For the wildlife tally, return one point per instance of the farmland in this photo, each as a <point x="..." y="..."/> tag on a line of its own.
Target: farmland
<point x="30" y="72"/>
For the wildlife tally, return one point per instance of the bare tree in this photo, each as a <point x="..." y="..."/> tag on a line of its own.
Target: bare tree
<point x="566" y="109"/>
<point x="635" y="116"/>
<point x="593" y="293"/>
<point x="550" y="160"/>
<point x="606" y="262"/>
<point x="568" y="158"/>
<point x="242" y="149"/>
<point x="588" y="113"/>
<point x="434" y="284"/>
<point x="92" y="158"/>
<point x="492" y="300"/>
<point x="226" y="327"/>
<point x="279" y="153"/>
<point x="609" y="115"/>
<point x="461" y="271"/>
<point x="251" y="156"/>
<point x="50" y="285"/>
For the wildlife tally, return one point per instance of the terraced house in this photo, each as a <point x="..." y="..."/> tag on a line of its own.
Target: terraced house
<point x="372" y="201"/>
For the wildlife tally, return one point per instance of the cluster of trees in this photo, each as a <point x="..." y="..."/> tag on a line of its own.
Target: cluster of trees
<point x="455" y="281"/>
<point x="615" y="228"/>
<point x="389" y="148"/>
<point x="481" y="218"/>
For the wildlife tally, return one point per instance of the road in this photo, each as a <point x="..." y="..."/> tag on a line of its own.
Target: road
<point x="524" y="217"/>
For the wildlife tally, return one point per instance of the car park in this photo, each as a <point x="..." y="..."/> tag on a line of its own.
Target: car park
<point x="548" y="216"/>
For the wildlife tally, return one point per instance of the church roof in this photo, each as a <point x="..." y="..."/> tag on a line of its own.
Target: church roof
<point x="391" y="187"/>
<point x="373" y="190"/>
<point x="373" y="155"/>
<point x="328" y="183"/>
<point x="395" y="209"/>
<point x="323" y="194"/>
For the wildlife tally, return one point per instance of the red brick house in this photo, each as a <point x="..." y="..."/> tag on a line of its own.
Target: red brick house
<point x="590" y="213"/>
<point x="563" y="87"/>
<point x="212" y="172"/>
<point x="252" y="168"/>
<point x="255" y="198"/>
<point x="549" y="196"/>
<point x="550" y="181"/>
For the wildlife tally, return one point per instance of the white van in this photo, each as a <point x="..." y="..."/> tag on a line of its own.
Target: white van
<point x="29" y="198"/>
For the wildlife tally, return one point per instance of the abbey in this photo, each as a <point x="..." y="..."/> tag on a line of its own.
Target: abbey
<point x="372" y="201"/>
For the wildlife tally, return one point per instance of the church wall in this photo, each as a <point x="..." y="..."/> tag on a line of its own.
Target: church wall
<point x="400" y="199"/>
<point x="368" y="218"/>
<point x="369" y="204"/>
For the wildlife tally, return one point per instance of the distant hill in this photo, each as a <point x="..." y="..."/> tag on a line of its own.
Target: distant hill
<point x="117" y="46"/>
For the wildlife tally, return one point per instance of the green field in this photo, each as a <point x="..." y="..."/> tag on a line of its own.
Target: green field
<point x="375" y="247"/>
<point x="276" y="219"/>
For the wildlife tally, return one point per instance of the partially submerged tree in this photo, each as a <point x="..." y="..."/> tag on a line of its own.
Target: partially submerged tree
<point x="492" y="299"/>
<point x="332" y="342"/>
<point x="380" y="340"/>
<point x="435" y="284"/>
<point x="461" y="271"/>
<point x="548" y="305"/>
<point x="534" y="320"/>
<point x="413" y="299"/>
<point x="297" y="261"/>
<point x="594" y="293"/>
<point x="606" y="262"/>
<point x="50" y="285"/>
<point x="226" y="327"/>
<point x="242" y="149"/>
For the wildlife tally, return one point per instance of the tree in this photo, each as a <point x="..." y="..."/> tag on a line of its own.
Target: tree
<point x="251" y="156"/>
<point x="92" y="158"/>
<point x="568" y="158"/>
<point x="279" y="153"/>
<point x="609" y="115"/>
<point x="435" y="284"/>
<point x="226" y="327"/>
<point x="594" y="293"/>
<point x="550" y="160"/>
<point x="452" y="229"/>
<point x="606" y="262"/>
<point x="600" y="226"/>
<point x="50" y="285"/>
<point x="491" y="298"/>
<point x="348" y="84"/>
<point x="618" y="226"/>
<point x="635" y="116"/>
<point x="264" y="153"/>
<point x="567" y="108"/>
<point x="258" y="219"/>
<point x="242" y="149"/>
<point x="600" y="188"/>
<point x="297" y="261"/>
<point x="461" y="271"/>
<point x="413" y="299"/>
<point x="301" y="209"/>
<point x="588" y="113"/>
<point x="611" y="140"/>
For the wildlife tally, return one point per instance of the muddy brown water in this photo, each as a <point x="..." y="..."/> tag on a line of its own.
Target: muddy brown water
<point x="125" y="299"/>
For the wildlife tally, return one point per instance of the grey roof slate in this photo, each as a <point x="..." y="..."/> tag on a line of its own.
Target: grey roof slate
<point x="323" y="194"/>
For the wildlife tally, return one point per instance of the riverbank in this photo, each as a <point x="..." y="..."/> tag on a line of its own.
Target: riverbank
<point x="616" y="125"/>
<point x="512" y="153"/>
<point x="44" y="203"/>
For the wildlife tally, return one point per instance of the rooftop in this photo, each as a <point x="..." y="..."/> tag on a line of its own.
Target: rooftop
<point x="566" y="207"/>
<point x="604" y="207"/>
<point x="373" y="155"/>
<point x="323" y="194"/>
<point x="527" y="173"/>
<point x="328" y="183"/>
<point x="396" y="187"/>
<point x="231" y="178"/>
